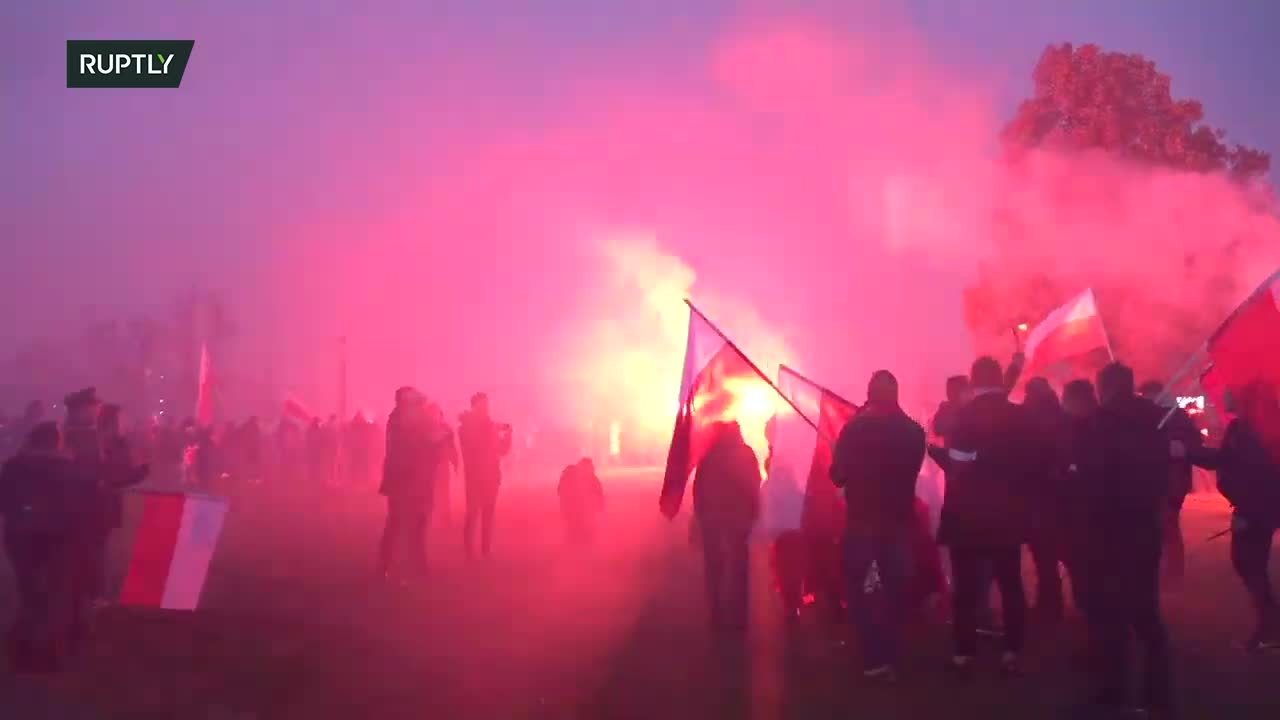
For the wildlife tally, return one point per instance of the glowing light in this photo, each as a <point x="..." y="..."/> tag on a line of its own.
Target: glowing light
<point x="1204" y="432"/>
<point x="1194" y="403"/>
<point x="1022" y="327"/>
<point x="615" y="438"/>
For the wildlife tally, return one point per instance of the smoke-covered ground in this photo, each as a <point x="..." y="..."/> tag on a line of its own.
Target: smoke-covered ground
<point x="293" y="628"/>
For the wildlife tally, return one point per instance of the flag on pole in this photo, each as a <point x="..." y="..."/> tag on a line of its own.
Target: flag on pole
<point x="1069" y="337"/>
<point x="798" y="488"/>
<point x="719" y="384"/>
<point x="204" y="391"/>
<point x="1243" y="355"/>
<point x="175" y="540"/>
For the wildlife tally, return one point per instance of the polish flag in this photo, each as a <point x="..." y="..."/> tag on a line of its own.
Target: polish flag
<point x="175" y="540"/>
<point x="1243" y="353"/>
<point x="204" y="393"/>
<point x="1066" y="337"/>
<point x="719" y="384"/>
<point x="798" y="488"/>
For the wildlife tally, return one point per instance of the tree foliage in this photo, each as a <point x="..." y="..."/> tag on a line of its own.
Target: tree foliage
<point x="1087" y="98"/>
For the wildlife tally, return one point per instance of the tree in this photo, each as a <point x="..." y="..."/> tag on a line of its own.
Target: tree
<point x="1087" y="98"/>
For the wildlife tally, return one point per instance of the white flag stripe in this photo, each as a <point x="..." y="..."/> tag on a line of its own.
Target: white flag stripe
<point x="197" y="537"/>
<point x="1080" y="307"/>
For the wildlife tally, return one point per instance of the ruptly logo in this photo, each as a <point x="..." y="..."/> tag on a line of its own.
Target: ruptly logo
<point x="127" y="63"/>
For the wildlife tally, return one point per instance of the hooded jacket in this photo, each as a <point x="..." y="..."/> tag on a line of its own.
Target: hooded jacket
<point x="726" y="485"/>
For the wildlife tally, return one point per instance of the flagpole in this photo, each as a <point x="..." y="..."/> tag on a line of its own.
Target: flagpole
<point x="750" y="363"/>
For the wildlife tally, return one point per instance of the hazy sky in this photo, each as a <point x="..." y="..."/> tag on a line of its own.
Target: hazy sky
<point x="414" y="174"/>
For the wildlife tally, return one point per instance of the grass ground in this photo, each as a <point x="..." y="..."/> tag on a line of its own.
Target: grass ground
<point x="293" y="628"/>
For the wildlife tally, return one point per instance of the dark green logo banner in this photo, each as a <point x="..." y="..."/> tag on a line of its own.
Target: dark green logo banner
<point x="127" y="63"/>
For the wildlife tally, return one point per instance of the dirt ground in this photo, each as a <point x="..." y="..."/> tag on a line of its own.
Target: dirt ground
<point x="293" y="627"/>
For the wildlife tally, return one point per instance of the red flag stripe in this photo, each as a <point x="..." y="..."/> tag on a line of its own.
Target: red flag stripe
<point x="153" y="548"/>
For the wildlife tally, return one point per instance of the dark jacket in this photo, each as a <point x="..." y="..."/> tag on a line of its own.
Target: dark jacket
<point x="1247" y="476"/>
<point x="580" y="491"/>
<point x="877" y="461"/>
<point x="1079" y="473"/>
<point x="46" y="495"/>
<point x="116" y="472"/>
<point x="726" y="486"/>
<point x="1180" y="427"/>
<point x="414" y="450"/>
<point x="1047" y="476"/>
<point x="483" y="446"/>
<point x="1127" y="478"/>
<point x="991" y="454"/>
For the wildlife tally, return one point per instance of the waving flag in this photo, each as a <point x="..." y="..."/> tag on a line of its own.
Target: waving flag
<point x="798" y="489"/>
<point x="1243" y="354"/>
<point x="175" y="540"/>
<point x="295" y="410"/>
<point x="719" y="384"/>
<point x="1069" y="337"/>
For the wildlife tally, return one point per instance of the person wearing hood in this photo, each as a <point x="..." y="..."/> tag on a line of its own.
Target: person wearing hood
<point x="1249" y="478"/>
<point x="45" y="500"/>
<point x="984" y="513"/>
<point x="877" y="460"/>
<point x="581" y="501"/>
<point x="1126" y="492"/>
<point x="1045" y="488"/>
<point x="484" y="443"/>
<point x="408" y="479"/>
<point x="726" y="505"/>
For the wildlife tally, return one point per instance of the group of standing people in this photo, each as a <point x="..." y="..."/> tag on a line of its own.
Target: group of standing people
<point x="60" y="500"/>
<point x="421" y="449"/>
<point x="1093" y="482"/>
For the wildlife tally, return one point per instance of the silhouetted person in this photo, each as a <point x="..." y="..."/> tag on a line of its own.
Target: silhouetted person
<point x="315" y="455"/>
<point x="581" y="501"/>
<point x="484" y="443"/>
<point x="44" y="500"/>
<point x="1045" y="487"/>
<point x="726" y="504"/>
<point x="116" y="472"/>
<point x="1179" y="427"/>
<point x="877" y="460"/>
<point x="1249" y="478"/>
<point x="1127" y="505"/>
<point x="446" y="470"/>
<point x="16" y="434"/>
<point x="984" y="513"/>
<point x="408" y="478"/>
<point x="1080" y="405"/>
<point x="252" y="451"/>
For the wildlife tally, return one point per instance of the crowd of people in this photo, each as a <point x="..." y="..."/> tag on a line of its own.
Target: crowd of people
<point x="1092" y="483"/>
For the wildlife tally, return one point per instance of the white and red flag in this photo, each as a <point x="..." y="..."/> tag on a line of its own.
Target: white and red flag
<point x="798" y="488"/>
<point x="719" y="384"/>
<point x="175" y="540"/>
<point x="204" y="391"/>
<point x="1067" y="339"/>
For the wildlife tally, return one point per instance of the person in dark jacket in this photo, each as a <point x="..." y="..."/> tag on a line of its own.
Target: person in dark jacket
<point x="1127" y="490"/>
<point x="1179" y="427"/>
<point x="984" y="514"/>
<point x="408" y="477"/>
<point x="45" y="499"/>
<point x="484" y="443"/>
<point x="1045" y="495"/>
<point x="726" y="504"/>
<point x="877" y="460"/>
<point x="1080" y="405"/>
<point x="1249" y="478"/>
<point x="116" y="472"/>
<point x="581" y="501"/>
